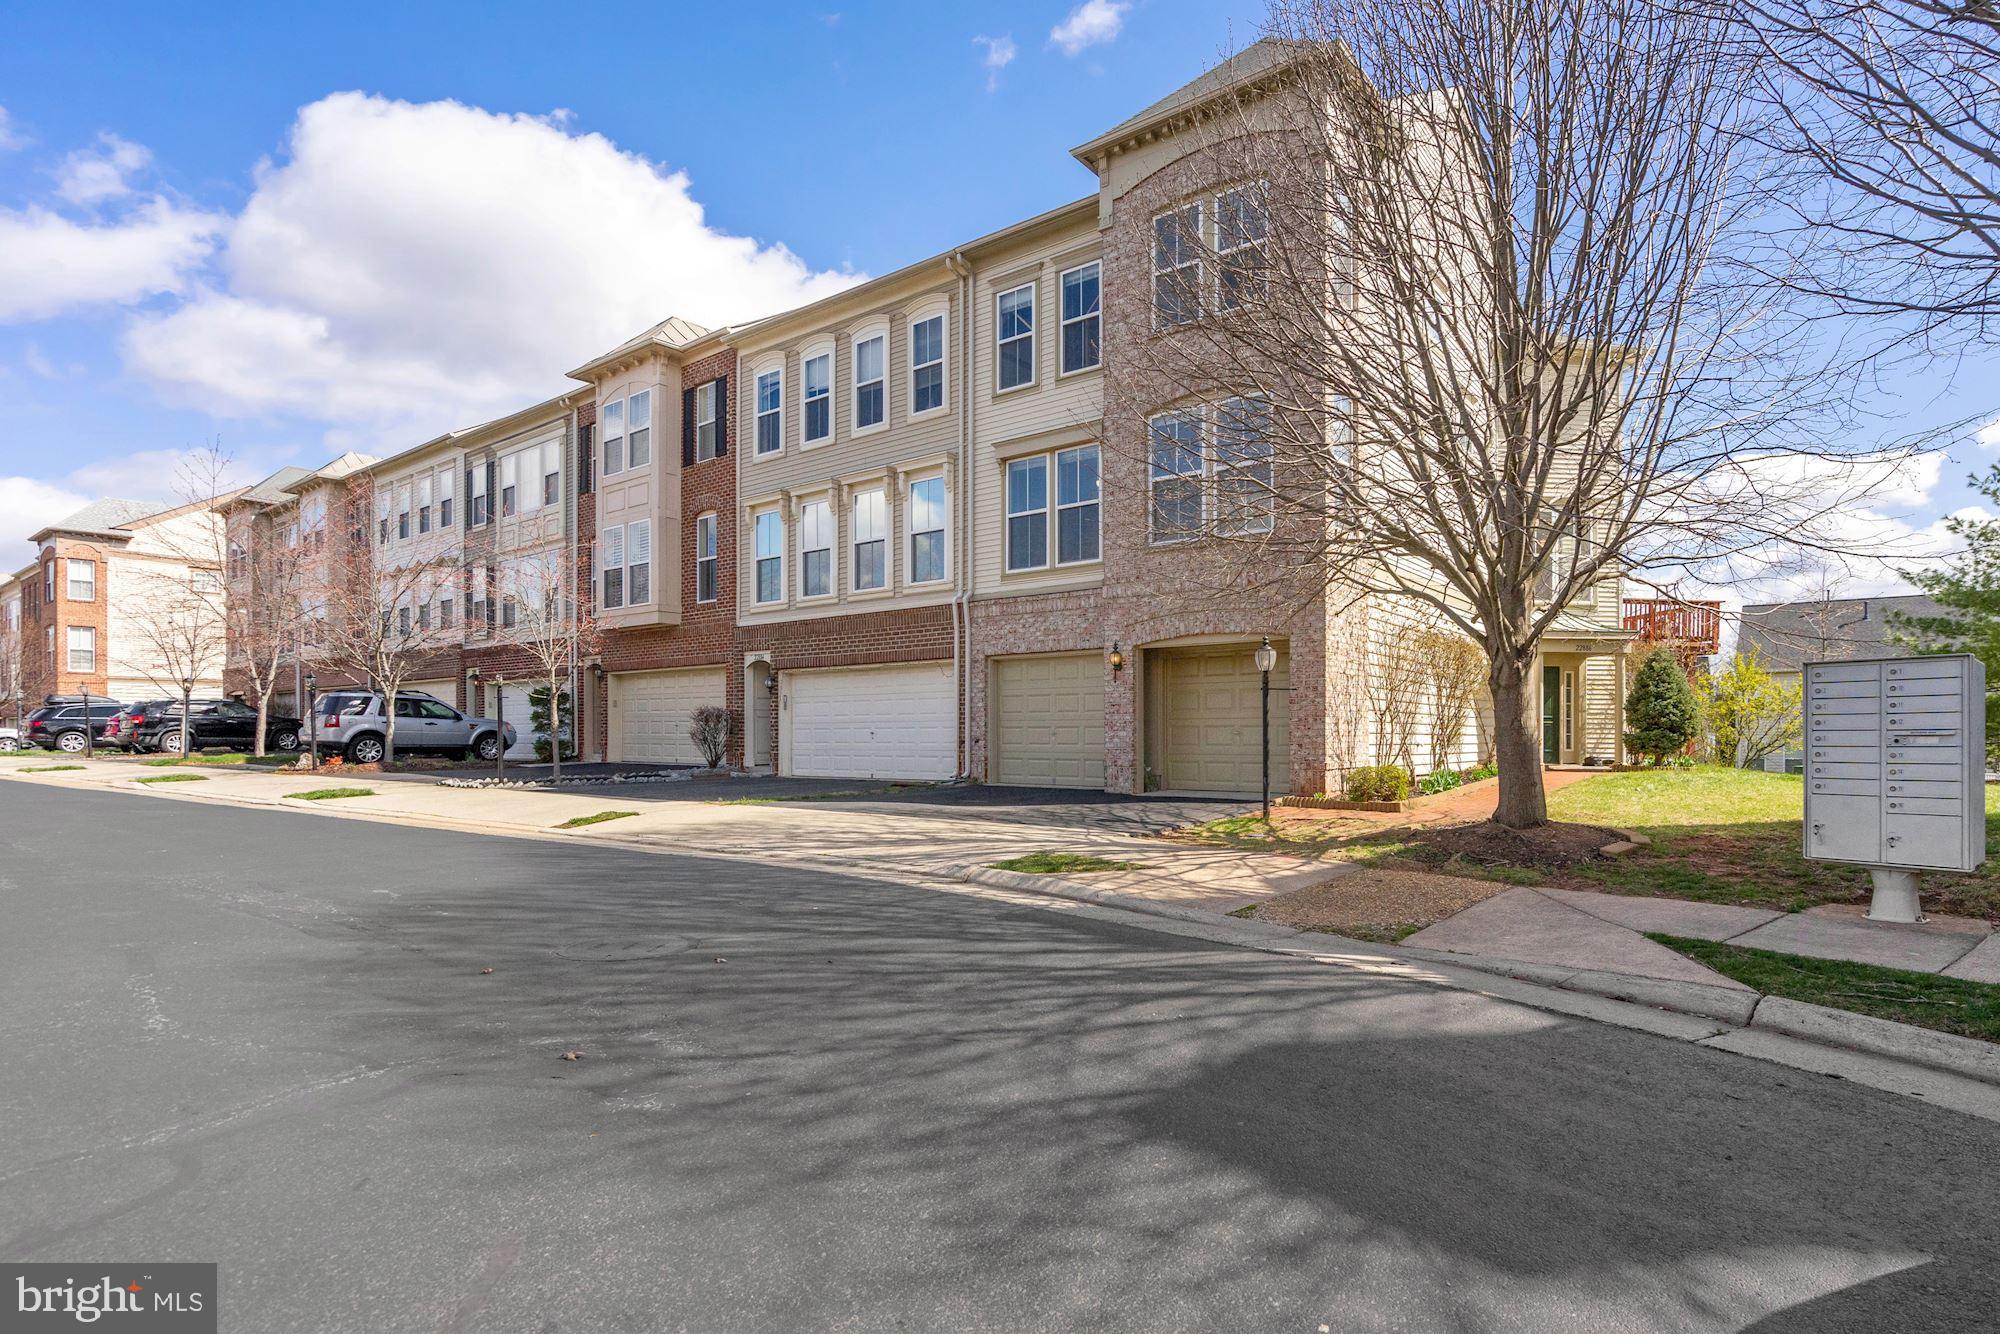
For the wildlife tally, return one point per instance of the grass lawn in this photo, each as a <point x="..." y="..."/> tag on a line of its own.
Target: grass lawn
<point x="1063" y="863"/>
<point x="1718" y="836"/>
<point x="331" y="793"/>
<point x="174" y="778"/>
<point x="599" y="818"/>
<point x="1947" y="1004"/>
<point x="226" y="758"/>
<point x="49" y="768"/>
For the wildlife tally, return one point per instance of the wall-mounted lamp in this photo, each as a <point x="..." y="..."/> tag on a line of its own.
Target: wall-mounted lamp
<point x="1117" y="657"/>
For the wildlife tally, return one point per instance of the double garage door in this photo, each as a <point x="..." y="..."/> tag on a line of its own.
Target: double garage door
<point x="1046" y="720"/>
<point x="869" y="722"/>
<point x="651" y="712"/>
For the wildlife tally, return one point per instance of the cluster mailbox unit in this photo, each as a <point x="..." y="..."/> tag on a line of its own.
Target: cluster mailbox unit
<point x="1896" y="770"/>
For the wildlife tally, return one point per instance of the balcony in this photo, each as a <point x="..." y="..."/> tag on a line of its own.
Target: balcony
<point x="1693" y="627"/>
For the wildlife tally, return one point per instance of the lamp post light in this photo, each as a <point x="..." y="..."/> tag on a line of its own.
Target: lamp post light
<point x="88" y="751"/>
<point x="312" y="717"/>
<point x="500" y="718"/>
<point x="1266" y="658"/>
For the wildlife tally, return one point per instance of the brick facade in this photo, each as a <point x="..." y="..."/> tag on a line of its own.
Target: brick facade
<point x="45" y="669"/>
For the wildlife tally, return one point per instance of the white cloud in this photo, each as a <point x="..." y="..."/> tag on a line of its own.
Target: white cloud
<point x="1988" y="436"/>
<point x="50" y="264"/>
<point x="411" y="267"/>
<point x="93" y="175"/>
<point x="10" y="138"/>
<point x="27" y="505"/>
<point x="1000" y="53"/>
<point x="1092" y="23"/>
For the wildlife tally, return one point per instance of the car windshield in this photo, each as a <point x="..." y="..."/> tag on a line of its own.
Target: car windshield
<point x="332" y="705"/>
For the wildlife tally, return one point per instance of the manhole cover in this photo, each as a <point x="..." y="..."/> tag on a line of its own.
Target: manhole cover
<point x="624" y="951"/>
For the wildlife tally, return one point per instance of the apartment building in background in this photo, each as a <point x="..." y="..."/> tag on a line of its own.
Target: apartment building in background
<point x="937" y="525"/>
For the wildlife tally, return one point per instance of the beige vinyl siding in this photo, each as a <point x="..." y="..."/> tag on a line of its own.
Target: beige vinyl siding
<point x="1071" y="405"/>
<point x="914" y="448"/>
<point x="1597" y="684"/>
<point x="647" y="494"/>
<point x="1391" y="624"/>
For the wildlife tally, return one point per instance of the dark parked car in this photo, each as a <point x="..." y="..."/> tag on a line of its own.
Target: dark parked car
<point x="61" y="726"/>
<point x="227" y="723"/>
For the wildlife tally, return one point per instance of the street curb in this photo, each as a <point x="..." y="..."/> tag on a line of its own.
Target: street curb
<point x="1725" y="1004"/>
<point x="1059" y="887"/>
<point x="1948" y="1052"/>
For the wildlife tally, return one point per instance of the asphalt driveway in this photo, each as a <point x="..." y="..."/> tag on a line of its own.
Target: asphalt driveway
<point x="807" y="1101"/>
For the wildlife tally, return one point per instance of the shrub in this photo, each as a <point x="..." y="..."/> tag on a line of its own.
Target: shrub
<point x="1480" y="773"/>
<point x="1444" y="780"/>
<point x="1662" y="713"/>
<point x="1379" y="782"/>
<point x="538" y="721"/>
<point x="709" y="730"/>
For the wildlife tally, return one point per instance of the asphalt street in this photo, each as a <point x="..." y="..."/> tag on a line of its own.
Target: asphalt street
<point x="811" y="1102"/>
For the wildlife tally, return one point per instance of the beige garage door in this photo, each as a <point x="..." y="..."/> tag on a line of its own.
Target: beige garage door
<point x="444" y="690"/>
<point x="1047" y="726"/>
<point x="650" y="712"/>
<point x="1208" y="724"/>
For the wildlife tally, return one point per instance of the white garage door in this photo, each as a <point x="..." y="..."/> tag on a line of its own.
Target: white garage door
<point x="444" y="690"/>
<point x="520" y="712"/>
<point x="870" y="722"/>
<point x="1048" y="720"/>
<point x="650" y="712"/>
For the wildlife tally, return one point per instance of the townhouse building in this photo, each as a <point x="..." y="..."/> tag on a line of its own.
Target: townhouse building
<point x="13" y="706"/>
<point x="659" y="515"/>
<point x="938" y="525"/>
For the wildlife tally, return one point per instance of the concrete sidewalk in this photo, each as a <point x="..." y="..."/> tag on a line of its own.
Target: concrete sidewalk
<point x="1562" y="928"/>
<point x="900" y="837"/>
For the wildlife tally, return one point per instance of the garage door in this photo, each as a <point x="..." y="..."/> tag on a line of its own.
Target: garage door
<point x="1209" y="727"/>
<point x="870" y="722"/>
<point x="444" y="690"/>
<point x="1047" y="726"/>
<point x="650" y="712"/>
<point x="519" y="715"/>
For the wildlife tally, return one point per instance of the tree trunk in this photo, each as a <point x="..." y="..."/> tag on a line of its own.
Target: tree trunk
<point x="1523" y="803"/>
<point x="388" y="728"/>
<point x="555" y="729"/>
<point x="263" y="722"/>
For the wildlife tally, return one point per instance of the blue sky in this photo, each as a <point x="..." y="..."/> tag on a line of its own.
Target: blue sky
<point x="352" y="226"/>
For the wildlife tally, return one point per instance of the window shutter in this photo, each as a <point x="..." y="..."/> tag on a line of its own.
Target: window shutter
<point x="687" y="428"/>
<point x="585" y="457"/>
<point x="721" y="415"/>
<point x="492" y="498"/>
<point x="467" y="514"/>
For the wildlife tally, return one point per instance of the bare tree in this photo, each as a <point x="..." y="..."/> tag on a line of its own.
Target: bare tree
<point x="385" y="621"/>
<point x="1454" y="673"/>
<point x="1463" y="327"/>
<point x="268" y="562"/>
<point x="1398" y="693"/>
<point x="547" y="619"/>
<point x="1888" y="112"/>
<point x="11" y="684"/>
<point x="175" y="604"/>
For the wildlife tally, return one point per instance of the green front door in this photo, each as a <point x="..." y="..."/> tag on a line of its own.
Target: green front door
<point x="1551" y="715"/>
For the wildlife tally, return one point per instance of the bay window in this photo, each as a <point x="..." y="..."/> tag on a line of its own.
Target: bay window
<point x="611" y="566"/>
<point x="611" y="431"/>
<point x="1241" y="229"/>
<point x="639" y="429"/>
<point x="638" y="563"/>
<point x="1177" y="266"/>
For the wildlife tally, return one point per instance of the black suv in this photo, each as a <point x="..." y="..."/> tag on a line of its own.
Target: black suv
<point x="156" y="724"/>
<point x="61" y="726"/>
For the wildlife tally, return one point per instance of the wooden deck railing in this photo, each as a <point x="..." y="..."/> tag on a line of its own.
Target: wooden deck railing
<point x="1664" y="620"/>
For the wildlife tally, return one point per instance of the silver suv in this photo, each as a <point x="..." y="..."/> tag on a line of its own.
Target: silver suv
<point x="352" y="723"/>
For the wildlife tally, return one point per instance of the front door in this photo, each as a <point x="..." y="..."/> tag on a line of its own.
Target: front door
<point x="1551" y="715"/>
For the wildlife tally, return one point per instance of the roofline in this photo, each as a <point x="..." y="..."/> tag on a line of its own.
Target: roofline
<point x="124" y="532"/>
<point x="566" y="401"/>
<point x="1125" y="133"/>
<point x="862" y="294"/>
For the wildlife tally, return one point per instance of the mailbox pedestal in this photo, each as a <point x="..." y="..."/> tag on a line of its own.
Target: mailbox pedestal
<point x="1895" y="896"/>
<point x="1896" y="770"/>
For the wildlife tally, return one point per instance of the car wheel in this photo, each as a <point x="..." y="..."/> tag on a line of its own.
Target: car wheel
<point x="365" y="750"/>
<point x="487" y="747"/>
<point x="286" y="741"/>
<point x="8" y="743"/>
<point x="173" y="743"/>
<point x="71" y="742"/>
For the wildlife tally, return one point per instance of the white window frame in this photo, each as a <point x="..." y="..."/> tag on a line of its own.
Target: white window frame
<point x="1154" y="479"/>
<point x="706" y="419"/>
<point x="480" y="504"/>
<point x="807" y="399"/>
<point x="855" y="541"/>
<point x="776" y="412"/>
<point x="611" y="556"/>
<point x="606" y="437"/>
<point x="758" y="556"/>
<point x="639" y="558"/>
<point x="89" y="594"/>
<point x="1009" y="514"/>
<point x="831" y="547"/>
<point x="1058" y="506"/>
<point x="1219" y="468"/>
<point x="1064" y="320"/>
<point x="1260" y="244"/>
<point x="70" y="649"/>
<point x="707" y="559"/>
<point x="856" y="341"/>
<point x="943" y="529"/>
<point x="943" y="360"/>
<point x="634" y="444"/>
<point x="552" y="454"/>
<point x="1182" y="263"/>
<point x="1000" y="343"/>
<point x="447" y="491"/>
<point x="513" y="502"/>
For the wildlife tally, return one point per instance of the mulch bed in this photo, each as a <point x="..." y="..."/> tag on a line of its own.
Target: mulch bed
<point x="1552" y="846"/>
<point x="1376" y="903"/>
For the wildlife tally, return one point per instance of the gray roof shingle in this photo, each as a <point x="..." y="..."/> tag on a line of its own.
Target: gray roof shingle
<point x="1786" y="634"/>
